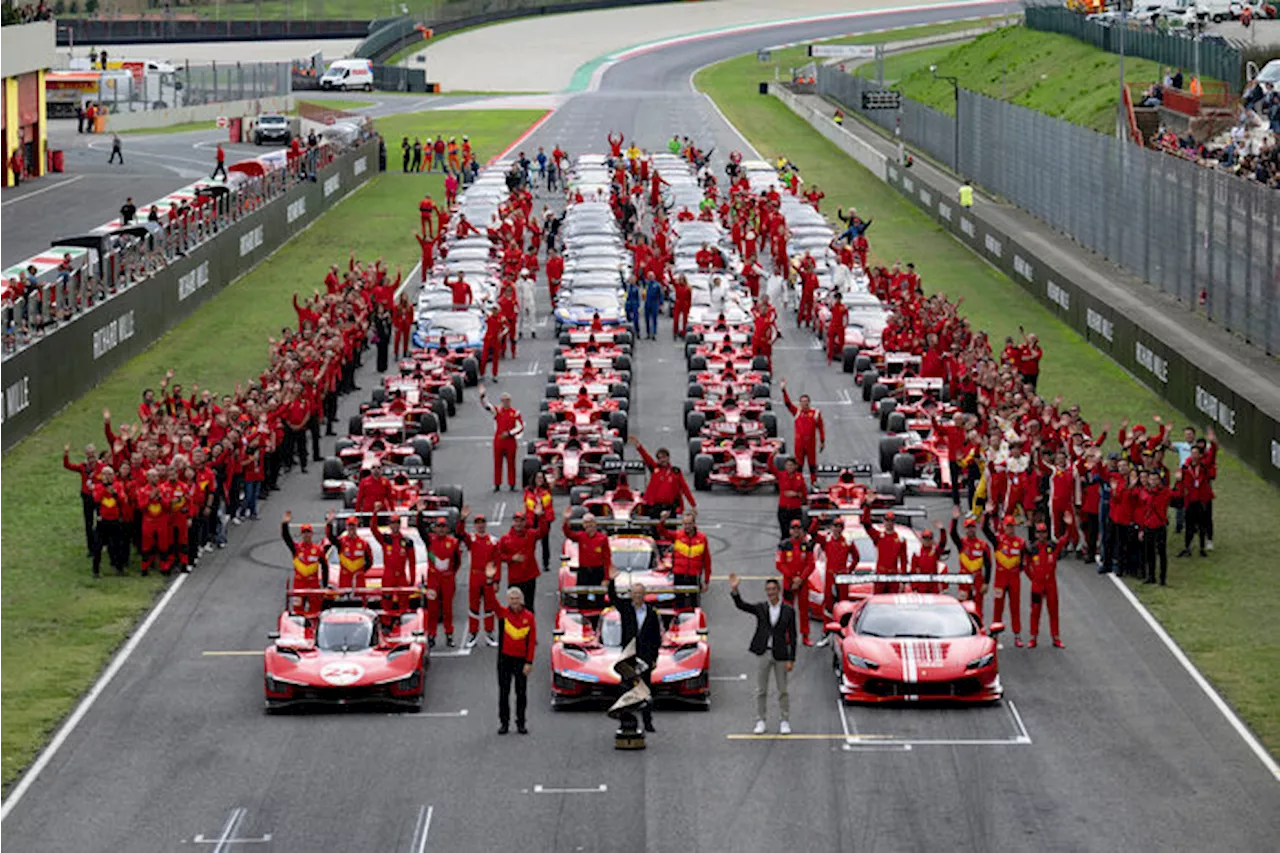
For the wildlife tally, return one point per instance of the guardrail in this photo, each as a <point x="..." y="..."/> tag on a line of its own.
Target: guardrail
<point x="68" y="334"/>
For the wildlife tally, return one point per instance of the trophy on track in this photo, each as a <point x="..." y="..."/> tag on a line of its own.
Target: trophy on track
<point x="635" y="697"/>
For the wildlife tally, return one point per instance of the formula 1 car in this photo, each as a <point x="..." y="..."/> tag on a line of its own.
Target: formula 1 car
<point x="458" y="356"/>
<point x="618" y="504"/>
<point x="585" y="648"/>
<point x="918" y="463"/>
<point x="705" y="385"/>
<point x="583" y="412"/>
<point x="720" y="419"/>
<point x="407" y="484"/>
<point x="914" y="647"/>
<point x="361" y="648"/>
<point x="711" y="334"/>
<point x="420" y="392"/>
<point x="849" y="495"/>
<point x="578" y="460"/>
<point x="906" y="391"/>
<point x="715" y="359"/>
<point x="595" y="383"/>
<point x="620" y="337"/>
<point x="914" y="406"/>
<point x="600" y="357"/>
<point x="742" y="464"/>
<point x="873" y="366"/>
<point x="382" y="440"/>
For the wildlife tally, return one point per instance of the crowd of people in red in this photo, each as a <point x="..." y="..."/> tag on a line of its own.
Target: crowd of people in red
<point x="194" y="462"/>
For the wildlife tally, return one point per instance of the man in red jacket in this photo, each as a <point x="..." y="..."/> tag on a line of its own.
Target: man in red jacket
<point x="110" y="501"/>
<point x="518" y="643"/>
<point x="690" y="551"/>
<point x="792" y="494"/>
<point x="794" y="560"/>
<point x="891" y="548"/>
<point x="810" y="432"/>
<point x="667" y="489"/>
<point x="508" y="426"/>
<point x="518" y="549"/>
<point x="836" y="328"/>
<point x="594" y="556"/>
<point x="680" y="310"/>
<point x="483" y="547"/>
<point x="152" y="501"/>
<point x="89" y="470"/>
<point x="1153" y="525"/>
<point x="1041" y="566"/>
<point x="1195" y="485"/>
<point x="491" y="351"/>
<point x="442" y="576"/>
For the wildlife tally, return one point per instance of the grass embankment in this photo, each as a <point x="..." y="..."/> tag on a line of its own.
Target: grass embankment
<point x="184" y="127"/>
<point x="1047" y="72"/>
<point x="59" y="626"/>
<point x="1215" y="608"/>
<point x="335" y="104"/>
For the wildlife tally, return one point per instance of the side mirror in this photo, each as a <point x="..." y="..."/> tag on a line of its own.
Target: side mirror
<point x="996" y="628"/>
<point x="273" y="635"/>
<point x="833" y="627"/>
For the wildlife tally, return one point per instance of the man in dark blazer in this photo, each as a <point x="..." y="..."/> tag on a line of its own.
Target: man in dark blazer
<point x="641" y="622"/>
<point x="774" y="643"/>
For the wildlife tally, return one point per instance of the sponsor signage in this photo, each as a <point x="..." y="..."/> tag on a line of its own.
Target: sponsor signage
<point x="845" y="51"/>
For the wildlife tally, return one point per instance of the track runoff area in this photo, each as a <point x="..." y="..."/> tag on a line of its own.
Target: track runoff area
<point x="1078" y="754"/>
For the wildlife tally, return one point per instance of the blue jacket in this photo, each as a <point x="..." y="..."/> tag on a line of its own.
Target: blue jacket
<point x="633" y="297"/>
<point x="653" y="296"/>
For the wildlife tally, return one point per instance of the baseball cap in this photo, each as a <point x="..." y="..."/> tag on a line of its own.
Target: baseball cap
<point x="305" y="528"/>
<point x="971" y="522"/>
<point x="1041" y="527"/>
<point x="926" y="534"/>
<point x="478" y="518"/>
<point x="888" y="516"/>
<point x="1009" y="519"/>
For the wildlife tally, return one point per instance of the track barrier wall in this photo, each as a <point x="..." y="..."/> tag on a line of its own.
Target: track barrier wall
<point x="43" y="378"/>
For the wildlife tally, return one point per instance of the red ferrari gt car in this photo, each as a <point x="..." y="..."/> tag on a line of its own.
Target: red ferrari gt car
<point x="354" y="651"/>
<point x="912" y="647"/>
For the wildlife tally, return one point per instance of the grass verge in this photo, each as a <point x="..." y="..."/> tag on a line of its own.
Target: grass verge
<point x="1214" y="607"/>
<point x="59" y="627"/>
<point x="336" y="104"/>
<point x="184" y="127"/>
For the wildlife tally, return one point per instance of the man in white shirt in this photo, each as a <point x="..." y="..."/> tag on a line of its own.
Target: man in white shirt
<point x="774" y="643"/>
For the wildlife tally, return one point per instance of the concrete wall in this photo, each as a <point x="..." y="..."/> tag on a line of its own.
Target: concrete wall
<point x="204" y="112"/>
<point x="27" y="47"/>
<point x="870" y="158"/>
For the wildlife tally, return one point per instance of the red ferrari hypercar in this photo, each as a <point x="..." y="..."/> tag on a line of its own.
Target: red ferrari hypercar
<point x="912" y="647"/>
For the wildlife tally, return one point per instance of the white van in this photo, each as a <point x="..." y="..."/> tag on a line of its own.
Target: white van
<point x="349" y="74"/>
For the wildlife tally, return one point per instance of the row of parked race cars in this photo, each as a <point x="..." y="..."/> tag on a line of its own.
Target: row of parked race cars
<point x="368" y="644"/>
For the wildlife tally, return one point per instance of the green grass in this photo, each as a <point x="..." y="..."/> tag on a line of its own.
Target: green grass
<point x="184" y="127"/>
<point x="1051" y="73"/>
<point x="1215" y="608"/>
<point x="337" y="104"/>
<point x="59" y="627"/>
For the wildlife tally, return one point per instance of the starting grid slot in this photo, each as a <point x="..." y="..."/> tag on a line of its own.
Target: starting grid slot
<point x="881" y="728"/>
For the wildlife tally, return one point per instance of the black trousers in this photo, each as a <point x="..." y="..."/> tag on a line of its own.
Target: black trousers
<point x="511" y="668"/>
<point x="1091" y="534"/>
<point x="655" y="510"/>
<point x="314" y="426"/>
<point x="1155" y="550"/>
<point x="587" y="576"/>
<point x="330" y="411"/>
<point x="110" y="537"/>
<point x="546" y="551"/>
<point x="530" y="590"/>
<point x="296" y="444"/>
<point x="221" y="168"/>
<point x="1197" y="524"/>
<point x="384" y="347"/>
<point x="90" y="509"/>
<point x="785" y="517"/>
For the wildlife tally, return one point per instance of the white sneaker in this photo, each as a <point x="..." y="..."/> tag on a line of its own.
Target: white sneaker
<point x="492" y="639"/>
<point x="824" y="642"/>
<point x="785" y="728"/>
<point x="1208" y="545"/>
<point x="759" y="729"/>
<point x="472" y="639"/>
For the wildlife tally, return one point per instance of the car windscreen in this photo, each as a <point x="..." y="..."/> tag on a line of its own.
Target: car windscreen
<point x="633" y="557"/>
<point x="927" y="621"/>
<point x="457" y="322"/>
<point x="595" y="300"/>
<point x="273" y="120"/>
<point x="345" y="636"/>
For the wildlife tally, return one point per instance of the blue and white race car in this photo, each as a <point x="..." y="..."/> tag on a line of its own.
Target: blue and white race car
<point x="579" y="307"/>
<point x="461" y="330"/>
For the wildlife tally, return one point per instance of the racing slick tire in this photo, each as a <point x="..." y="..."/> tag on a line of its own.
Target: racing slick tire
<point x="848" y="358"/>
<point x="618" y="421"/>
<point x="450" y="397"/>
<point x="688" y="407"/>
<point x="619" y="391"/>
<point x="695" y="392"/>
<point x="889" y="446"/>
<point x="623" y="338"/>
<point x="695" y="450"/>
<point x="861" y="363"/>
<point x="378" y="396"/>
<point x="578" y="495"/>
<point x="458" y="385"/>
<point x="422" y="448"/>
<point x="355" y="425"/>
<point x="883" y="408"/>
<point x="333" y="469"/>
<point x="899" y="493"/>
<point x="766" y="378"/>
<point x="428" y="423"/>
<point x="904" y="466"/>
<point x="565" y="340"/>
<point x="545" y="420"/>
<point x="879" y="392"/>
<point x="760" y="391"/>
<point x="342" y="444"/>
<point x="441" y="410"/>
<point x="698" y="363"/>
<point x="622" y="362"/>
<point x="560" y="365"/>
<point x="760" y="363"/>
<point x="551" y="391"/>
<point x="452" y="493"/>
<point x="349" y="494"/>
<point x="770" y="421"/>
<point x="529" y="468"/>
<point x="693" y="338"/>
<point x="624" y="403"/>
<point x="610" y="461"/>
<point x="896" y="421"/>
<point x="689" y="350"/>
<point x="882" y="483"/>
<point x="871" y="377"/>
<point x="413" y="459"/>
<point x="619" y="446"/>
<point x="626" y="377"/>
<point x="544" y="405"/>
<point x="471" y="371"/>
<point x="694" y="422"/>
<point x="702" y="465"/>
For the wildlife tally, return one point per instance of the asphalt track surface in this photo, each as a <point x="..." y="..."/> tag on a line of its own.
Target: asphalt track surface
<point x="91" y="191"/>
<point x="1111" y="747"/>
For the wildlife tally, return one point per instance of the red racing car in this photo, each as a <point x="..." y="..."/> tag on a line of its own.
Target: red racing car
<point x="741" y="463"/>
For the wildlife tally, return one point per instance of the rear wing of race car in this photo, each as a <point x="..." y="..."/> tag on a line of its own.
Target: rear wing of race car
<point x="619" y="525"/>
<point x="315" y="600"/>
<point x="959" y="578"/>
<point x="597" y="597"/>
<point x="365" y="519"/>
<point x="858" y="469"/>
<point x="412" y="472"/>
<point x="619" y="466"/>
<point x="903" y="514"/>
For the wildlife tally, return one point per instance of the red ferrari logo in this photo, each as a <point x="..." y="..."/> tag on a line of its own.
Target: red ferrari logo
<point x="342" y="673"/>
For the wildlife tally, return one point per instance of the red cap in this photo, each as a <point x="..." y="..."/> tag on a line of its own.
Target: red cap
<point x="305" y="528"/>
<point x="1041" y="527"/>
<point x="926" y="534"/>
<point x="971" y="522"/>
<point x="1010" y="520"/>
<point x="888" y="516"/>
<point x="478" y="518"/>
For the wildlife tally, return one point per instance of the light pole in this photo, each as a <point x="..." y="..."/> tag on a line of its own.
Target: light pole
<point x="955" y="87"/>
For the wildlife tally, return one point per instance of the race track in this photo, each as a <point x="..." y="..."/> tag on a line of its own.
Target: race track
<point x="1107" y="745"/>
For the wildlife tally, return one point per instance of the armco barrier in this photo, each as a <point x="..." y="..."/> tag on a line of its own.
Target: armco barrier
<point x="41" y="379"/>
<point x="1242" y="427"/>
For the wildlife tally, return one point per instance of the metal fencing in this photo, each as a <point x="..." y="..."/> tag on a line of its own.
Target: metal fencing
<point x="189" y="85"/>
<point x="1206" y="237"/>
<point x="1213" y="58"/>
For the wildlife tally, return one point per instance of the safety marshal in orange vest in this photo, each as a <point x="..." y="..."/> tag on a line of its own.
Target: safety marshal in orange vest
<point x="309" y="568"/>
<point x="690" y="552"/>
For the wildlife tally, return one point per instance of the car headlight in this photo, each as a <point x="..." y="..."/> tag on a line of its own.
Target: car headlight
<point x="578" y="675"/>
<point x="576" y="654"/>
<point x="981" y="662"/>
<point x="681" y="675"/>
<point x="861" y="662"/>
